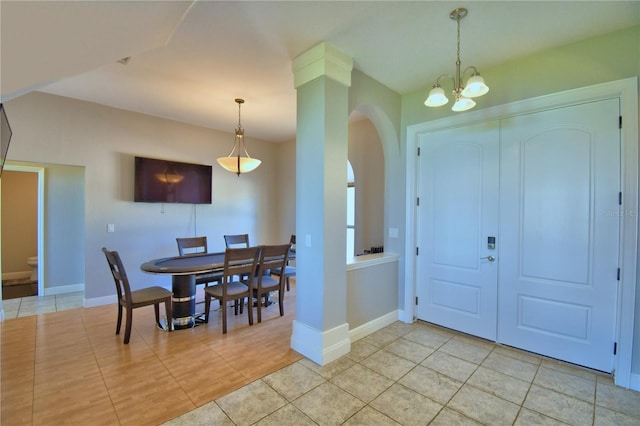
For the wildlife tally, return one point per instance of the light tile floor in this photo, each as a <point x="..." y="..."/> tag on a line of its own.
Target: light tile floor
<point x="36" y="305"/>
<point x="418" y="374"/>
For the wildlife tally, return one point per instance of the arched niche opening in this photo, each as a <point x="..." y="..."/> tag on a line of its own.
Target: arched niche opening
<point x="366" y="191"/>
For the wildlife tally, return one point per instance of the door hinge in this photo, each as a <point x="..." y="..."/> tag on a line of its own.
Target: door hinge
<point x="418" y="201"/>
<point x="615" y="348"/>
<point x="620" y="122"/>
<point x="618" y="278"/>
<point x="417" y="251"/>
<point x="620" y="198"/>
<point x="416" y="300"/>
<point x="418" y="151"/>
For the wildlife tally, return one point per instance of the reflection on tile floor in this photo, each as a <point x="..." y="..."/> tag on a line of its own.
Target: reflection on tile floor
<point x="35" y="305"/>
<point x="418" y="374"/>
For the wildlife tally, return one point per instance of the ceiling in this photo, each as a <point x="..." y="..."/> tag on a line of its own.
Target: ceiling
<point x="189" y="60"/>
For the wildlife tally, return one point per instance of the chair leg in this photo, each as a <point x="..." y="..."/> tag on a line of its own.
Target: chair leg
<point x="281" y="302"/>
<point x="207" y="307"/>
<point x="259" y="306"/>
<point x="127" y="327"/>
<point x="288" y="285"/>
<point x="250" y="310"/>
<point x="224" y="317"/>
<point x="119" y="319"/>
<point x="156" y="310"/>
<point x="169" y="310"/>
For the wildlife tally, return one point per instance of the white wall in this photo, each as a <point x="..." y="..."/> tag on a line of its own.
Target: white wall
<point x="55" y="130"/>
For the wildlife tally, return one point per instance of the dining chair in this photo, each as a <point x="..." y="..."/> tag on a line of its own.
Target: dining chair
<point x="130" y="300"/>
<point x="236" y="240"/>
<point x="194" y="245"/>
<point x="238" y="262"/>
<point x="289" y="271"/>
<point x="271" y="256"/>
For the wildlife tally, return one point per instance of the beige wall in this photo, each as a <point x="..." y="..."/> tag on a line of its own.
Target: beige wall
<point x="367" y="160"/>
<point x="286" y="188"/>
<point x="19" y="220"/>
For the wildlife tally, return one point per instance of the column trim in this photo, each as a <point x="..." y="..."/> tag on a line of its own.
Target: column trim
<point x="323" y="59"/>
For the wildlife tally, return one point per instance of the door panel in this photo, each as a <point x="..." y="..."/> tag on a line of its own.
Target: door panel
<point x="560" y="178"/>
<point x="458" y="187"/>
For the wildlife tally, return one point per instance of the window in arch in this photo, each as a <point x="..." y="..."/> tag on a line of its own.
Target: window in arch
<point x="351" y="212"/>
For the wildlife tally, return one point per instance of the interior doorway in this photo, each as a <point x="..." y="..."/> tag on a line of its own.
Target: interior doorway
<point x="22" y="236"/>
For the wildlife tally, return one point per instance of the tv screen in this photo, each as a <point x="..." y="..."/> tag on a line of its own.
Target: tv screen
<point x="163" y="181"/>
<point x="5" y="137"/>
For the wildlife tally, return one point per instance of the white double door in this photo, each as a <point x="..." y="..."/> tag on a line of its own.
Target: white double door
<point x="518" y="231"/>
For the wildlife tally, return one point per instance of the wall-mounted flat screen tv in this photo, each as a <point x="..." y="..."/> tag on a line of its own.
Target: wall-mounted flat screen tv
<point x="163" y="181"/>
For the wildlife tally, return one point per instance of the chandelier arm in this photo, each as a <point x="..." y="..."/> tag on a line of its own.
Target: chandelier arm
<point x="470" y="67"/>
<point x="445" y="75"/>
<point x="244" y="147"/>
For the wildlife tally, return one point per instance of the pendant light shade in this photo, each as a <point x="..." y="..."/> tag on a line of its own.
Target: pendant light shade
<point x="239" y="161"/>
<point x="475" y="87"/>
<point x="436" y="97"/>
<point x="463" y="104"/>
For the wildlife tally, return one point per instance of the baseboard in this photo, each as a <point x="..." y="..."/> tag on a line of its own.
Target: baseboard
<point x="100" y="301"/>
<point x="634" y="382"/>
<point x="320" y="347"/>
<point x="16" y="275"/>
<point x="63" y="289"/>
<point x="406" y="316"/>
<point x="372" y="326"/>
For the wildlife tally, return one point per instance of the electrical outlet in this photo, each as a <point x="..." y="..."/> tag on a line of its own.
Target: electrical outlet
<point x="393" y="232"/>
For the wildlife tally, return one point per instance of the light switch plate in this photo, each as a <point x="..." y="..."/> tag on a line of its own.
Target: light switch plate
<point x="111" y="227"/>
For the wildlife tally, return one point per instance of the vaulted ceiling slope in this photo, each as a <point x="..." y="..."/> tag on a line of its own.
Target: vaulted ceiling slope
<point x="189" y="60"/>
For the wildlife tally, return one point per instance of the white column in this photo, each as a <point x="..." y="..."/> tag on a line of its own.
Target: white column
<point x="322" y="79"/>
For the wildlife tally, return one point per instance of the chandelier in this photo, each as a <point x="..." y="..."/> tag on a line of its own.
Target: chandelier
<point x="463" y="94"/>
<point x="236" y="162"/>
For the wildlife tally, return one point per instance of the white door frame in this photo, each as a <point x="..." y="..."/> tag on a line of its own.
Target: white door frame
<point x="40" y="220"/>
<point x="627" y="91"/>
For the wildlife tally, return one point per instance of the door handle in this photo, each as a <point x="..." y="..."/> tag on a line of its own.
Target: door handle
<point x="489" y="258"/>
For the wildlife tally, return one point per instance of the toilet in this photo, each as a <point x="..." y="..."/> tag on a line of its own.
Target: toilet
<point x="33" y="262"/>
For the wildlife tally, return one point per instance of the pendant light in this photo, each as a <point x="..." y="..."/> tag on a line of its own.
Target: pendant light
<point x="475" y="85"/>
<point x="236" y="162"/>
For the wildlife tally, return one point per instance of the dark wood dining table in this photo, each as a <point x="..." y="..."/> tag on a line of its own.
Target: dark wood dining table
<point x="183" y="270"/>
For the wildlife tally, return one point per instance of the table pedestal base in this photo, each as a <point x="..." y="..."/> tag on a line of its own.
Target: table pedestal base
<point x="184" y="301"/>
